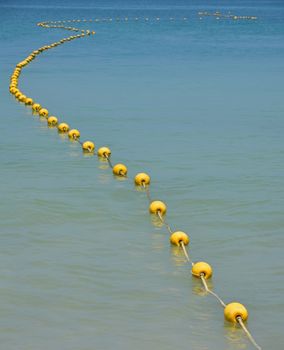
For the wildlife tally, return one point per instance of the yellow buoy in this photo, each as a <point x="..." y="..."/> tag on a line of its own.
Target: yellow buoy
<point x="119" y="170"/>
<point x="22" y="98"/>
<point x="52" y="121"/>
<point x="63" y="128"/>
<point x="202" y="268"/>
<point x="74" y="134"/>
<point x="36" y="107"/>
<point x="158" y="207"/>
<point x="234" y="310"/>
<point x="88" y="146"/>
<point x="43" y="112"/>
<point x="142" y="179"/>
<point x="104" y="152"/>
<point x="29" y="101"/>
<point x="178" y="237"/>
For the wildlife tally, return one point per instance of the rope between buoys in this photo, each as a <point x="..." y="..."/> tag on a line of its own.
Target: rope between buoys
<point x="210" y="291"/>
<point x="147" y="190"/>
<point x="109" y="161"/>
<point x="164" y="222"/>
<point x="241" y="323"/>
<point x="81" y="143"/>
<point x="186" y="254"/>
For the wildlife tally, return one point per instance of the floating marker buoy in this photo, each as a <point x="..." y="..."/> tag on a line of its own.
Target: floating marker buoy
<point x="22" y="98"/>
<point x="142" y="178"/>
<point x="74" y="134"/>
<point x="52" y="121"/>
<point x="120" y="170"/>
<point x="178" y="237"/>
<point x="43" y="112"/>
<point x="36" y="107"/>
<point x="158" y="206"/>
<point x="234" y="310"/>
<point x="13" y="90"/>
<point x="88" y="146"/>
<point x="202" y="268"/>
<point x="104" y="152"/>
<point x="63" y="128"/>
<point x="29" y="101"/>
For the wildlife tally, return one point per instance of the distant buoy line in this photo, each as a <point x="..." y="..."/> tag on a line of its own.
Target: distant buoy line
<point x="201" y="14"/>
<point x="219" y="15"/>
<point x="234" y="312"/>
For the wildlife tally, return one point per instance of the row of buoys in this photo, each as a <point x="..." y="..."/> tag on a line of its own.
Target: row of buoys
<point x="233" y="312"/>
<point x="54" y="24"/>
<point x="218" y="14"/>
<point x="113" y="19"/>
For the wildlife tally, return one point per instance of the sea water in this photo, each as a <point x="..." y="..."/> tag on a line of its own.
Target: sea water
<point x="195" y="102"/>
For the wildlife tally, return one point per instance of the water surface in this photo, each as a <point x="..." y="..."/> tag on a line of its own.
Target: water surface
<point x="198" y="104"/>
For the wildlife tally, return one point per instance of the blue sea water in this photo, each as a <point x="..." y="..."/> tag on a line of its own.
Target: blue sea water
<point x="196" y="103"/>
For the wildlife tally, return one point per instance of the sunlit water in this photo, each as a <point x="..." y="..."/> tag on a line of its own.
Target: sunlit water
<point x="199" y="105"/>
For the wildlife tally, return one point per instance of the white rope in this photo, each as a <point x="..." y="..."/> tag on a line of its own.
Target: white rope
<point x="210" y="291"/>
<point x="164" y="222"/>
<point x="186" y="254"/>
<point x="241" y="323"/>
<point x="146" y="188"/>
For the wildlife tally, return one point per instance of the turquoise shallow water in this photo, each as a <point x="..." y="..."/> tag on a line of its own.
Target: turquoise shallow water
<point x="199" y="105"/>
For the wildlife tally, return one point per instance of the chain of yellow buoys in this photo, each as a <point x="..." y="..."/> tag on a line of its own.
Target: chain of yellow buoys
<point x="233" y="312"/>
